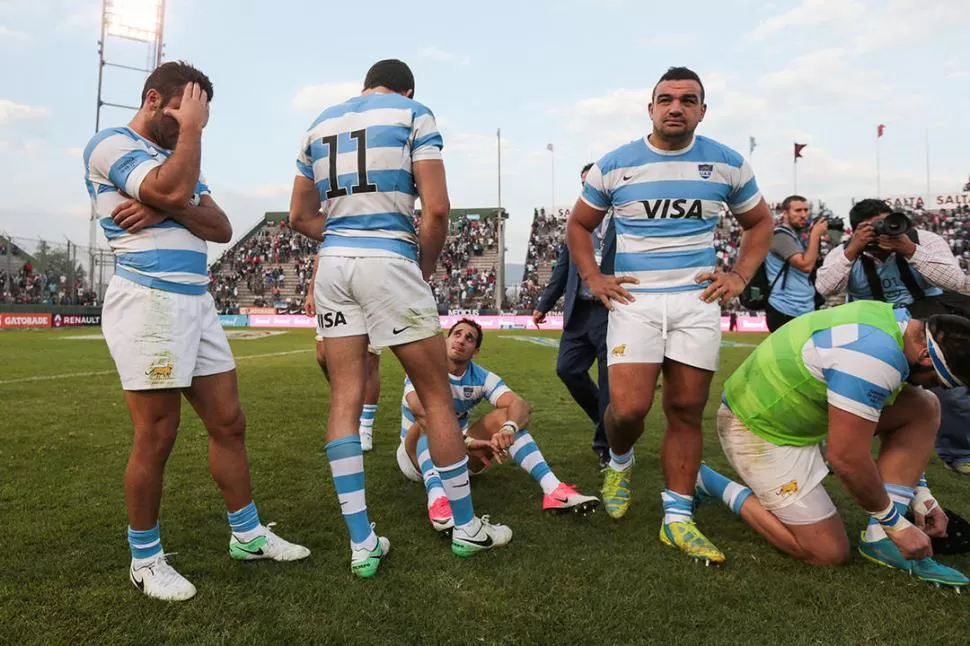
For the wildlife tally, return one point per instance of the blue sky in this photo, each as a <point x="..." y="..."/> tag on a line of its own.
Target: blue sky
<point x="575" y="73"/>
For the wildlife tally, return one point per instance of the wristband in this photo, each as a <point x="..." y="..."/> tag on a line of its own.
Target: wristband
<point x="739" y="275"/>
<point x="513" y="425"/>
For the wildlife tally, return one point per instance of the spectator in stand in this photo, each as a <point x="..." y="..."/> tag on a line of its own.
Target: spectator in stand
<point x="584" y="330"/>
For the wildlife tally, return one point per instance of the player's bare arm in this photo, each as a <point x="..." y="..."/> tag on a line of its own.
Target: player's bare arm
<point x="309" y="306"/>
<point x="583" y="220"/>
<point x="517" y="412"/>
<point x="305" y="215"/>
<point x="849" y="454"/>
<point x="429" y="176"/>
<point x="207" y="220"/>
<point x="172" y="184"/>
<point x="757" y="230"/>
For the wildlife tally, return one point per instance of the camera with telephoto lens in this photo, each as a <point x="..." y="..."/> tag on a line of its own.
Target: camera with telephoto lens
<point x="897" y="223"/>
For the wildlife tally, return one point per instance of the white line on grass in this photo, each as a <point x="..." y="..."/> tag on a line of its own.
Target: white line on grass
<point x="99" y="373"/>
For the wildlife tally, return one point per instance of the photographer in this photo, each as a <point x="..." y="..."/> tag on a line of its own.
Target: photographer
<point x="790" y="263"/>
<point x="889" y="260"/>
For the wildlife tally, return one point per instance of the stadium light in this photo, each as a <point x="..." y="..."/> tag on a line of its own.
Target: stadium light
<point x="139" y="20"/>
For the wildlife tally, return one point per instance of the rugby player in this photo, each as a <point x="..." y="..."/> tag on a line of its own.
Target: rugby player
<point x="667" y="190"/>
<point x="842" y="375"/>
<point x="160" y="322"/>
<point x="372" y="386"/>
<point x="503" y="430"/>
<point x="365" y="161"/>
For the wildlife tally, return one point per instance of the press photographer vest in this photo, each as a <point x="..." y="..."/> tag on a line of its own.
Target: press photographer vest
<point x="893" y="281"/>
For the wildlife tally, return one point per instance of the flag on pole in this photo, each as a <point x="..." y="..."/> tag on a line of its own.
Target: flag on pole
<point x="798" y="150"/>
<point x="880" y="129"/>
<point x="751" y="145"/>
<point x="549" y="147"/>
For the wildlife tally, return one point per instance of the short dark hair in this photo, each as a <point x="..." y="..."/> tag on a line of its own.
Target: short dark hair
<point x="471" y="323"/>
<point x="952" y="334"/>
<point x="391" y="73"/>
<point x="679" y="74"/>
<point x="585" y="168"/>
<point x="786" y="203"/>
<point x="169" y="79"/>
<point x="865" y="209"/>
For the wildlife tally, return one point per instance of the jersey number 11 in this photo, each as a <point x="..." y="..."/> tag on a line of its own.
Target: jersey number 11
<point x="362" y="185"/>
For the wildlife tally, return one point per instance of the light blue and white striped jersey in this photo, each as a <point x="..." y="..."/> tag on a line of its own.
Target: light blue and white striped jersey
<point x="666" y="205"/>
<point x="359" y="155"/>
<point x="165" y="256"/>
<point x="467" y="391"/>
<point x="860" y="364"/>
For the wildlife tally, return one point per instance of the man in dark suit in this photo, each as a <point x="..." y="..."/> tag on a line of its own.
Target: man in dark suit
<point x="584" y="331"/>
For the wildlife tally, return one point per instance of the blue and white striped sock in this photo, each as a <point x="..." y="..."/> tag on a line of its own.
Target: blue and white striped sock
<point x="432" y="482"/>
<point x="454" y="477"/>
<point x="245" y="523"/>
<point x="678" y="508"/>
<point x="621" y="461"/>
<point x="901" y="497"/>
<point x="714" y="484"/>
<point x="367" y="416"/>
<point x="527" y="455"/>
<point x="145" y="544"/>
<point x="347" y="466"/>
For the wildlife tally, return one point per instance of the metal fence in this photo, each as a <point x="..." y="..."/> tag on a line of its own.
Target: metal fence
<point x="46" y="272"/>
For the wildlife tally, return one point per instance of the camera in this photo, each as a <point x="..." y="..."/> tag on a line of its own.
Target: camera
<point x="896" y="223"/>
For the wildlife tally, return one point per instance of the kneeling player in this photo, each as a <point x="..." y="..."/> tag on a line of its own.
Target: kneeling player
<point x="372" y="386"/>
<point x="500" y="432"/>
<point x="839" y="375"/>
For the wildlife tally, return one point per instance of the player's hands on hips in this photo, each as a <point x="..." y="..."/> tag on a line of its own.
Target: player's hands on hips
<point x="309" y="307"/>
<point x="193" y="112"/>
<point x="610" y="288"/>
<point x="724" y="286"/>
<point x="913" y="543"/>
<point x="930" y="517"/>
<point x="538" y="317"/>
<point x="133" y="216"/>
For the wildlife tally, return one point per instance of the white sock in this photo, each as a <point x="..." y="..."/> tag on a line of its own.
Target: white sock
<point x="621" y="461"/>
<point x="369" y="544"/>
<point x="472" y="527"/>
<point x="549" y="483"/>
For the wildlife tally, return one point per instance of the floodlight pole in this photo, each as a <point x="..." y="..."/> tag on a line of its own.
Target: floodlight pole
<point x="94" y="256"/>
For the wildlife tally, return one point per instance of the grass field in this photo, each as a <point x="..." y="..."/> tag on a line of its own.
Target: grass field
<point x="564" y="580"/>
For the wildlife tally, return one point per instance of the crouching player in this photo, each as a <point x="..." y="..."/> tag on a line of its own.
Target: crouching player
<point x="840" y="375"/>
<point x="503" y="431"/>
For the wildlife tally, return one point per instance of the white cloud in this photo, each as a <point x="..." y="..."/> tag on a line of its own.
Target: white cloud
<point x="76" y="153"/>
<point x="324" y="95"/>
<point x="438" y="54"/>
<point x="9" y="35"/>
<point x="865" y="27"/>
<point x="823" y="78"/>
<point x="11" y="111"/>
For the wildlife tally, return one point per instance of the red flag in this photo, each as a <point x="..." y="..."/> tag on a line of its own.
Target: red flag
<point x="798" y="150"/>
<point x="880" y="129"/>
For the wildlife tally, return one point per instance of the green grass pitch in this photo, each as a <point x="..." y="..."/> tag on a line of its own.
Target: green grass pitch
<point x="564" y="580"/>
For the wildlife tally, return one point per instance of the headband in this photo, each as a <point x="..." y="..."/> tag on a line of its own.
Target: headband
<point x="939" y="362"/>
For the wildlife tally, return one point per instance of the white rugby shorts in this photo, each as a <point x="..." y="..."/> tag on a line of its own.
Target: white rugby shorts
<point x="162" y="339"/>
<point x="385" y="298"/>
<point x="786" y="479"/>
<point x="677" y="325"/>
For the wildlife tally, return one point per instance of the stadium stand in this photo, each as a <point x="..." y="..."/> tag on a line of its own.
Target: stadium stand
<point x="271" y="265"/>
<point x="548" y="232"/>
<point x="28" y="279"/>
